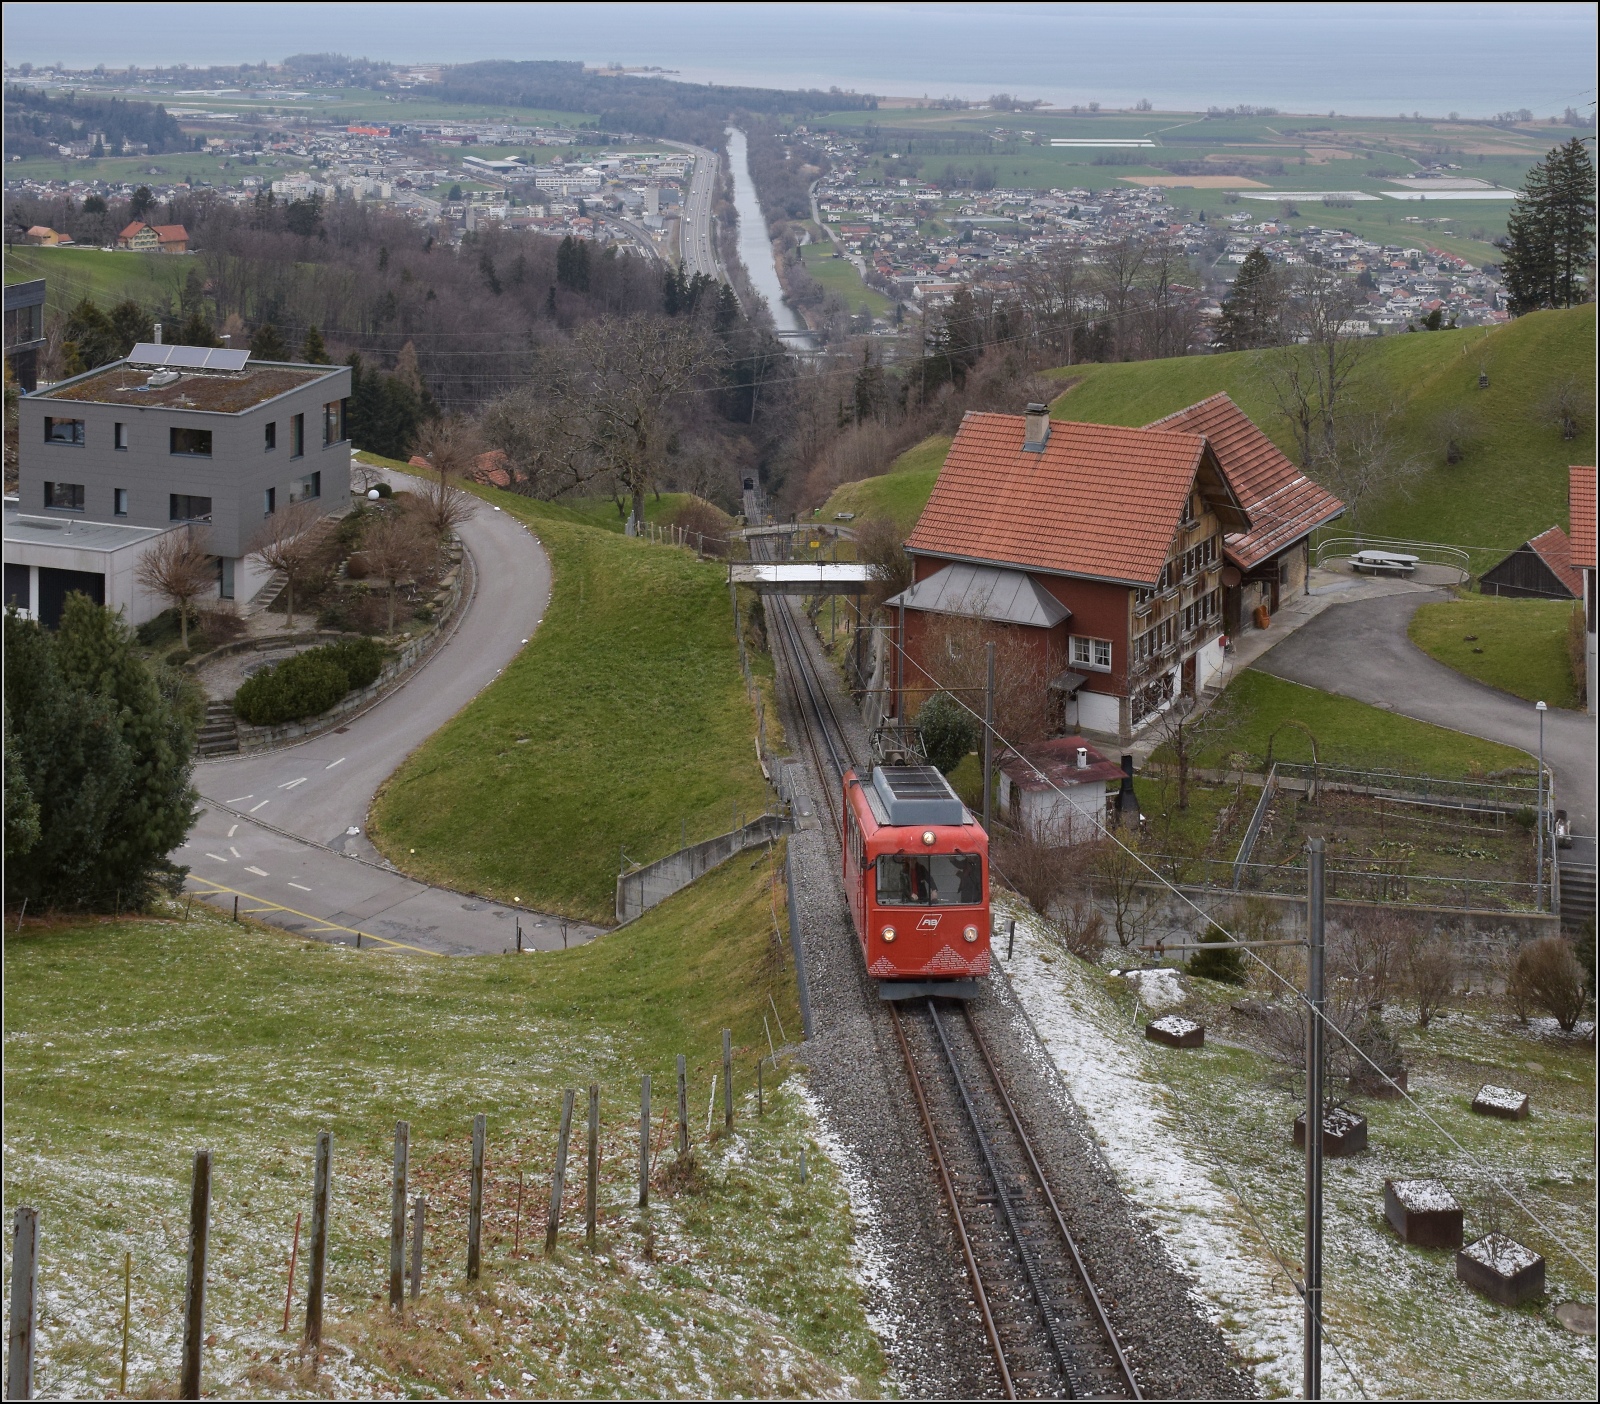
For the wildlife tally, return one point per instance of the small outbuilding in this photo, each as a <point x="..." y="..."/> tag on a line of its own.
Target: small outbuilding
<point x="1057" y="788"/>
<point x="1540" y="569"/>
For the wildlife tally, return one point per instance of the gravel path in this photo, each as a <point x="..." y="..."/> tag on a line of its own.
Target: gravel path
<point x="918" y="1295"/>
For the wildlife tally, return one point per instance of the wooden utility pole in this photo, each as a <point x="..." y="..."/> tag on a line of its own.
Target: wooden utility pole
<point x="194" y="1292"/>
<point x="1312" y="1384"/>
<point x="24" y="1302"/>
<point x="480" y="1131"/>
<point x="317" y="1274"/>
<point x="988" y="734"/>
<point x="683" y="1105"/>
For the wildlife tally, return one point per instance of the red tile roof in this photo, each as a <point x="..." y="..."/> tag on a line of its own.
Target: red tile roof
<point x="1555" y="550"/>
<point x="1100" y="500"/>
<point x="171" y="233"/>
<point x="1283" y="504"/>
<point x="1054" y="764"/>
<point x="131" y="230"/>
<point x="1580" y="499"/>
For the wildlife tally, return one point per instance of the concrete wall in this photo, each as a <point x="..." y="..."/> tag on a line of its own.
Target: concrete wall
<point x="235" y="477"/>
<point x="643" y="888"/>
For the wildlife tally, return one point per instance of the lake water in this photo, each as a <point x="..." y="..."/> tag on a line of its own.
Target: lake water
<point x="1374" y="60"/>
<point x="755" y="248"/>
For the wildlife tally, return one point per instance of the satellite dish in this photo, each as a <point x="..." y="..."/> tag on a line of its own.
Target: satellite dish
<point x="373" y="494"/>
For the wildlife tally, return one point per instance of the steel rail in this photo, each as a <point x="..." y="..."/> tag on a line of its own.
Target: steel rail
<point x="1061" y="1224"/>
<point x="1069" y="1371"/>
<point x="980" y="1295"/>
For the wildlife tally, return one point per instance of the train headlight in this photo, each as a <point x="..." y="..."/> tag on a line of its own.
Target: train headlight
<point x="927" y="837"/>
<point x="971" y="933"/>
<point x="888" y="933"/>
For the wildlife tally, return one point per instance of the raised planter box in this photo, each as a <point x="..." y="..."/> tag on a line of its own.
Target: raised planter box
<point x="1502" y="1269"/>
<point x="1503" y="1102"/>
<point x="1175" y="1031"/>
<point x="1423" y="1212"/>
<point x="1344" y="1132"/>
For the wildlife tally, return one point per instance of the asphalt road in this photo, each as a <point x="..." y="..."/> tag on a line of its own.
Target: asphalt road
<point x="285" y="830"/>
<point x="694" y="227"/>
<point x="1360" y="649"/>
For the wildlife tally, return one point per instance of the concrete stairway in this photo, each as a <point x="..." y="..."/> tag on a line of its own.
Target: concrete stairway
<point x="1577" y="898"/>
<point x="219" y="732"/>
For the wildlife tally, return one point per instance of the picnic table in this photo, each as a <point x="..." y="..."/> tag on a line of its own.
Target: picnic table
<point x="1383" y="563"/>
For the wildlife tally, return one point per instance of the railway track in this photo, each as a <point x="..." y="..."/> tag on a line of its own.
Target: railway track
<point x="1046" y="1325"/>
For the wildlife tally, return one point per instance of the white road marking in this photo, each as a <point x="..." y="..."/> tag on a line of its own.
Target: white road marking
<point x="297" y="885"/>
<point x="258" y="872"/>
<point x="217" y="856"/>
<point x="262" y="805"/>
<point x="241" y="799"/>
<point x="232" y="831"/>
<point x="235" y="851"/>
<point x="293" y="783"/>
<point x="340" y="761"/>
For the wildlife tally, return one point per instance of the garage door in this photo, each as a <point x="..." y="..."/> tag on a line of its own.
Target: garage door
<point x="56" y="585"/>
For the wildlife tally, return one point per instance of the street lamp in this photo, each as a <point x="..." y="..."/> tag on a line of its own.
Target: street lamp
<point x="1541" y="709"/>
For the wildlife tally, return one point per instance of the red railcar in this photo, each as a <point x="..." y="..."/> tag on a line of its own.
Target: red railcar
<point x="916" y="871"/>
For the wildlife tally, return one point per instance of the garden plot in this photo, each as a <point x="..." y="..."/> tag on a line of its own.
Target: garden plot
<point x="1201" y="1138"/>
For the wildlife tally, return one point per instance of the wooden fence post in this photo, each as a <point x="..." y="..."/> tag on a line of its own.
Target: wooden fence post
<point x="24" y="1302"/>
<point x="683" y="1106"/>
<point x="397" y="1215"/>
<point x="727" y="1080"/>
<point x="761" y="1096"/>
<point x="194" y="1293"/>
<point x="480" y="1130"/>
<point x="127" y="1317"/>
<point x="316" y="1275"/>
<point x="558" y="1181"/>
<point x="644" y="1142"/>
<point x="418" y="1214"/>
<point x="591" y="1192"/>
<point x="294" y="1258"/>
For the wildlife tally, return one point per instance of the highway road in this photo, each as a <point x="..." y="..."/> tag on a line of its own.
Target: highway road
<point x="696" y="242"/>
<point x="284" y="831"/>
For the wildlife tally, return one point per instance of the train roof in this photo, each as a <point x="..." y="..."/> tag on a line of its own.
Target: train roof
<point x="906" y="795"/>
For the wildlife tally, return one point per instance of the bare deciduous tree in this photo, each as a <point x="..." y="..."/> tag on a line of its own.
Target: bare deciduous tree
<point x="399" y="546"/>
<point x="1118" y="879"/>
<point x="1033" y="858"/>
<point x="288" y="542"/>
<point x="1365" y="458"/>
<point x="1429" y="962"/>
<point x="1566" y="407"/>
<point x="1309" y="378"/>
<point x="955" y="653"/>
<point x="452" y="447"/>
<point x="180" y="569"/>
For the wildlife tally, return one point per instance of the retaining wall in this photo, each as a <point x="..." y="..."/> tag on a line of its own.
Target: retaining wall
<point x="643" y="888"/>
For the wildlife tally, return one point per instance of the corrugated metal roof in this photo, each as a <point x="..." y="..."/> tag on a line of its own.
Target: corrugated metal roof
<point x="985" y="592"/>
<point x="1282" y="502"/>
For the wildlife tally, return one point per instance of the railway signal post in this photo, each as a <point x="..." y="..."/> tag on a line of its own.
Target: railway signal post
<point x="1314" y="1068"/>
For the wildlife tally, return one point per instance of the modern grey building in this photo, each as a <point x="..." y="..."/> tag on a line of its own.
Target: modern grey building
<point x="178" y="436"/>
<point x="24" y="330"/>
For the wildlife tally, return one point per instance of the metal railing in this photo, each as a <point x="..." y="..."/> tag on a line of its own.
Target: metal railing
<point x="1432" y="552"/>
<point x="1253" y="830"/>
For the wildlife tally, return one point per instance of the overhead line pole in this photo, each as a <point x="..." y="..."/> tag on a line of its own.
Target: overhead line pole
<point x="1314" y="1016"/>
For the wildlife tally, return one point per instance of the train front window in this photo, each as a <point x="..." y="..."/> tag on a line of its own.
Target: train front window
<point x="930" y="880"/>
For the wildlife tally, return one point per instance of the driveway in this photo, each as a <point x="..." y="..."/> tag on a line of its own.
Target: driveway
<point x="284" y="831"/>
<point x="1360" y="649"/>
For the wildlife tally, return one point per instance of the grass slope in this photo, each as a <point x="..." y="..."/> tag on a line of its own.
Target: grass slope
<point x="1349" y="733"/>
<point x="901" y="493"/>
<point x="128" y="1044"/>
<point x="623" y="724"/>
<point x="1519" y="646"/>
<point x="106" y="278"/>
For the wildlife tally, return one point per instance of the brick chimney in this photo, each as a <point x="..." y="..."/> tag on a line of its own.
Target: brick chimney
<point x="1036" y="434"/>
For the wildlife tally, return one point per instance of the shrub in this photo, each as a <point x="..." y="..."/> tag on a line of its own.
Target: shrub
<point x="297" y="688"/>
<point x="361" y="659"/>
<point x="1081" y="929"/>
<point x="384" y="490"/>
<point x="706" y="527"/>
<point x="1032" y="861"/>
<point x="1545" y="974"/>
<point x="1430" y="974"/>
<point x="357" y="568"/>
<point x="1224" y="963"/>
<point x="949" y="731"/>
<point x="220" y="626"/>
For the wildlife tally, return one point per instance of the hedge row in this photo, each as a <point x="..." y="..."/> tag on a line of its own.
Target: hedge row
<point x="309" y="683"/>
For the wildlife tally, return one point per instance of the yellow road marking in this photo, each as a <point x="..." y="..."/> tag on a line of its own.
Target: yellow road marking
<point x="365" y="935"/>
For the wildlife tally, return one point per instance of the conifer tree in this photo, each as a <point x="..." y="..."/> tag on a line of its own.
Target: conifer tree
<point x="313" y="352"/>
<point x="1549" y="243"/>
<point x="267" y="345"/>
<point x="1250" y="312"/>
<point x="22" y="810"/>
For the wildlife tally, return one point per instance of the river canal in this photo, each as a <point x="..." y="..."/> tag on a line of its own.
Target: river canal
<point x="755" y="248"/>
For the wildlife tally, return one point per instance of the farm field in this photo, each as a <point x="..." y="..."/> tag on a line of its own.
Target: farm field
<point x="583" y="738"/>
<point x="1201" y="1139"/>
<point x="73" y="274"/>
<point x="1518" y="646"/>
<point x="737" y="1281"/>
<point x="838" y="275"/>
<point x="1510" y="485"/>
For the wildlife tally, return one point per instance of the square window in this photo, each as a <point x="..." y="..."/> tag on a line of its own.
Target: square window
<point x="63" y="431"/>
<point x="303" y="489"/>
<point x="119" y="501"/>
<point x="195" y="443"/>
<point x="64" y="497"/>
<point x="119" y="436"/>
<point x="272" y="435"/>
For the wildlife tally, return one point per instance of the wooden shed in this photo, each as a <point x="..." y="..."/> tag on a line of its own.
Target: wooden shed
<point x="1540" y="569"/>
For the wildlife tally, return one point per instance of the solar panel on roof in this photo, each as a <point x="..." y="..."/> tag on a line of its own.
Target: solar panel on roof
<point x="217" y="358"/>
